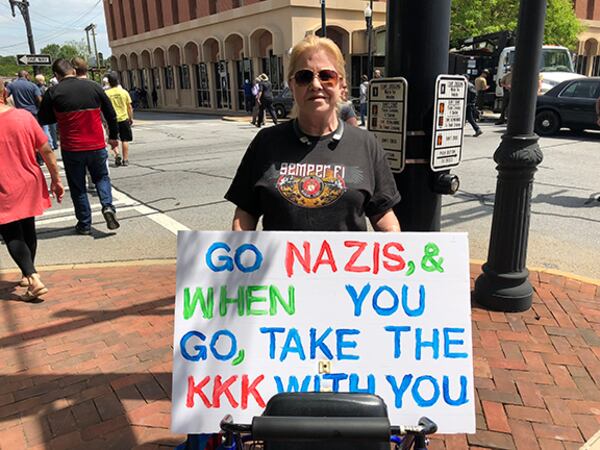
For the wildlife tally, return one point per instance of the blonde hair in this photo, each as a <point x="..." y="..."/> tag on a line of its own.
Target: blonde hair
<point x="313" y="43"/>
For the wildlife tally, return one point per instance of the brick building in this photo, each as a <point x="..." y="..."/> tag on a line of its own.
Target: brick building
<point x="197" y="53"/>
<point x="588" y="50"/>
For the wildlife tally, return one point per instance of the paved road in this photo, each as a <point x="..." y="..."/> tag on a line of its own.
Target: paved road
<point x="181" y="165"/>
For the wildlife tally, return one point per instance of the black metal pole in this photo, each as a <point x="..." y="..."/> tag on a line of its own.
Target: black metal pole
<point x="504" y="283"/>
<point x="369" y="45"/>
<point x="417" y="49"/>
<point x="24" y="9"/>
<point x="323" y="20"/>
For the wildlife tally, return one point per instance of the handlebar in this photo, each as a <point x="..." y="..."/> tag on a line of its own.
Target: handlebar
<point x="326" y="428"/>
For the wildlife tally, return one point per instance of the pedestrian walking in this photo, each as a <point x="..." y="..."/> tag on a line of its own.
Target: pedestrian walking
<point x="313" y="173"/>
<point x="471" y="107"/>
<point x="256" y="107"/>
<point x="81" y="67"/>
<point x="248" y="96"/>
<point x="78" y="106"/>
<point x="481" y="85"/>
<point x="40" y="81"/>
<point x="24" y="192"/>
<point x="154" y="98"/>
<point x="3" y="93"/>
<point x="347" y="113"/>
<point x="26" y="95"/>
<point x="363" y="98"/>
<point x="506" y="83"/>
<point x="121" y="102"/>
<point x="265" y="100"/>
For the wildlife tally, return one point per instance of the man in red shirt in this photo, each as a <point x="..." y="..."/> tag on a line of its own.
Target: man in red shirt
<point x="78" y="106"/>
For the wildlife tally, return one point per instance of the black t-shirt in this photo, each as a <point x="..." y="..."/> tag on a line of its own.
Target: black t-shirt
<point x="321" y="185"/>
<point x="267" y="90"/>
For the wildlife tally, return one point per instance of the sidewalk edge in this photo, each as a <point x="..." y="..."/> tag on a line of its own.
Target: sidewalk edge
<point x="157" y="262"/>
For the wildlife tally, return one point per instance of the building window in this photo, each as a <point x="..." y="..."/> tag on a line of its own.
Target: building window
<point x="169" y="80"/>
<point x="159" y="14"/>
<point x="122" y="14"/>
<point x="112" y="21"/>
<point x="133" y="17"/>
<point x="146" y="16"/>
<point x="222" y="85"/>
<point x="184" y="76"/>
<point x="236" y="3"/>
<point x="212" y="6"/>
<point x="193" y="9"/>
<point x="175" y="10"/>
<point x="203" y="89"/>
<point x="596" y="68"/>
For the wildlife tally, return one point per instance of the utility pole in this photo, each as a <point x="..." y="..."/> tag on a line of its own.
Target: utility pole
<point x="504" y="284"/>
<point x="417" y="49"/>
<point x="23" y="6"/>
<point x="323" y="20"/>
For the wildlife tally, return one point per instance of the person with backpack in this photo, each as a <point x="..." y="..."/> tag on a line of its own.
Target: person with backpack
<point x="471" y="107"/>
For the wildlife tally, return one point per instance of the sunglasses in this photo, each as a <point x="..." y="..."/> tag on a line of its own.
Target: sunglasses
<point x="327" y="77"/>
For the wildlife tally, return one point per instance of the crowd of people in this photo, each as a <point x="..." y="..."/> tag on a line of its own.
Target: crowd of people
<point x="76" y="115"/>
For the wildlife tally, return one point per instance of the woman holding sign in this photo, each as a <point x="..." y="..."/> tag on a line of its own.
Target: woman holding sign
<point x="314" y="173"/>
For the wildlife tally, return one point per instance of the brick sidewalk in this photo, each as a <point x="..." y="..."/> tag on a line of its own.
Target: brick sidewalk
<point x="90" y="367"/>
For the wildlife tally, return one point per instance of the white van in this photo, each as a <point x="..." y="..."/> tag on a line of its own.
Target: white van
<point x="556" y="66"/>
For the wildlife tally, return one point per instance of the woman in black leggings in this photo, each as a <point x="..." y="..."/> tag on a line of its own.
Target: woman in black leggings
<point x="21" y="240"/>
<point x="23" y="190"/>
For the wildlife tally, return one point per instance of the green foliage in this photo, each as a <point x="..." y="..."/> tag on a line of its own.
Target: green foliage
<point x="477" y="17"/>
<point x="69" y="50"/>
<point x="9" y="66"/>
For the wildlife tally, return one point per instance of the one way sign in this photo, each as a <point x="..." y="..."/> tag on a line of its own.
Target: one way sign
<point x="35" y="60"/>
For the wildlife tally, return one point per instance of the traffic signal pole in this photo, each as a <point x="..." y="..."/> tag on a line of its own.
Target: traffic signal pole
<point x="504" y="284"/>
<point x="23" y="6"/>
<point x="418" y="34"/>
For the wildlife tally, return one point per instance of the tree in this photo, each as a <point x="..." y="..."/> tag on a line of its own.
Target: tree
<point x="477" y="17"/>
<point x="9" y="67"/>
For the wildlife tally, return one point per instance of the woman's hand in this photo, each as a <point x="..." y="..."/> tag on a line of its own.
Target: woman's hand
<point x="243" y="221"/>
<point x="57" y="189"/>
<point x="386" y="221"/>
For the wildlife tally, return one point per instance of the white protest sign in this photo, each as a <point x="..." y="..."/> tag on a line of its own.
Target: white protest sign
<point x="256" y="312"/>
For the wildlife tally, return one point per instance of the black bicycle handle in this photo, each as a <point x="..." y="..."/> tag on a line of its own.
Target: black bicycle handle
<point x="321" y="428"/>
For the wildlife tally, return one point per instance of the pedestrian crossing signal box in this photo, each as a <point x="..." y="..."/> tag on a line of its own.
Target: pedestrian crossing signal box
<point x="387" y="118"/>
<point x="449" y="121"/>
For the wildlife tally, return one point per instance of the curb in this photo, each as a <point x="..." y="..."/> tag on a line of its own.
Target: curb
<point x="158" y="262"/>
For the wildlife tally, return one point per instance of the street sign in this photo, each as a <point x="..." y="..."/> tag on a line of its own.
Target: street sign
<point x="34" y="60"/>
<point x="449" y="121"/>
<point x="387" y="118"/>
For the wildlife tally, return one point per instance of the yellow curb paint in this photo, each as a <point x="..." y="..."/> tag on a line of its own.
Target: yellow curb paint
<point x="556" y="272"/>
<point x="157" y="262"/>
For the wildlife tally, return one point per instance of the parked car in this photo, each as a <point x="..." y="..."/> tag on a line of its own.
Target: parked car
<point x="570" y="104"/>
<point x="283" y="103"/>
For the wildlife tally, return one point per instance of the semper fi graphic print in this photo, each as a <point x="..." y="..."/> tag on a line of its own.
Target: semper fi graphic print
<point x="310" y="185"/>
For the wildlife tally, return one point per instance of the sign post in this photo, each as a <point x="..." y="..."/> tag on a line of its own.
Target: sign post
<point x="448" y="121"/>
<point x="34" y="60"/>
<point x="387" y="118"/>
<point x="260" y="313"/>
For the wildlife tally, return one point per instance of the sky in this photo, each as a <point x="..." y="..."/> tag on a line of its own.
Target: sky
<point x="52" y="22"/>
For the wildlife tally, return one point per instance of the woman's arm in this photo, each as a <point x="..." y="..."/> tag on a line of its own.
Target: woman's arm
<point x="386" y="221"/>
<point x="243" y="221"/>
<point x="55" y="184"/>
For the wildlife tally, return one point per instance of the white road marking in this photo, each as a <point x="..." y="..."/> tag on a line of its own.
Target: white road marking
<point x="120" y="198"/>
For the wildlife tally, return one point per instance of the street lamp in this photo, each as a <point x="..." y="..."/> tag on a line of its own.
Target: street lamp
<point x="323" y="20"/>
<point x="369" y="20"/>
<point x="504" y="283"/>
